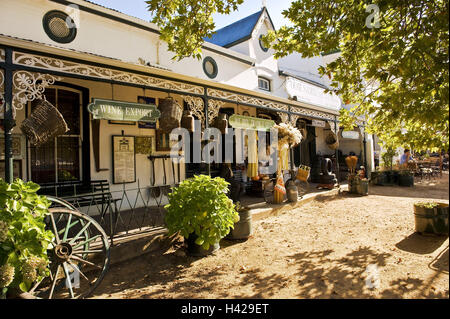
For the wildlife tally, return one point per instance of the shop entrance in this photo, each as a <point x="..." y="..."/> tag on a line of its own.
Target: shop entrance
<point x="305" y="152"/>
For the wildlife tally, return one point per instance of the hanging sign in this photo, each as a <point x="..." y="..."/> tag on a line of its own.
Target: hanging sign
<point x="252" y="123"/>
<point x="352" y="135"/>
<point x="318" y="123"/>
<point x="123" y="111"/>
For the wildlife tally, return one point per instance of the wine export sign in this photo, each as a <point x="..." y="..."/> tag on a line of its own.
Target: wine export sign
<point x="123" y="111"/>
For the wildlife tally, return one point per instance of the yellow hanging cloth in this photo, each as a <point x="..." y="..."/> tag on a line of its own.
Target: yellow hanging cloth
<point x="283" y="156"/>
<point x="252" y="144"/>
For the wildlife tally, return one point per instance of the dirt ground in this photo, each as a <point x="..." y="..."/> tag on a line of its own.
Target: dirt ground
<point x="328" y="248"/>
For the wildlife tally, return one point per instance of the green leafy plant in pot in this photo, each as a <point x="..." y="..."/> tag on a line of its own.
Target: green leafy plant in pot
<point x="201" y="212"/>
<point x="24" y="239"/>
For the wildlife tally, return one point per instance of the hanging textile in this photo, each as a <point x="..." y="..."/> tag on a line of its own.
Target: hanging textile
<point x="283" y="157"/>
<point x="252" y="145"/>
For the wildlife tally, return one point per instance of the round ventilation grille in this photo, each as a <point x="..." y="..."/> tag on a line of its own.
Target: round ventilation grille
<point x="59" y="27"/>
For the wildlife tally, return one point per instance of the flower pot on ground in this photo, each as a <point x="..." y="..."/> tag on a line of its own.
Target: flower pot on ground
<point x="431" y="217"/>
<point x="243" y="228"/>
<point x="200" y="210"/>
<point x="406" y="178"/>
<point x="358" y="185"/>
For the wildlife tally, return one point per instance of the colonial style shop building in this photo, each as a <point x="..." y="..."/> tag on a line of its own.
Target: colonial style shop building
<point x="76" y="52"/>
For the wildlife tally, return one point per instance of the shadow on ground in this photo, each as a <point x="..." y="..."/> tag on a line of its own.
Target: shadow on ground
<point x="421" y="244"/>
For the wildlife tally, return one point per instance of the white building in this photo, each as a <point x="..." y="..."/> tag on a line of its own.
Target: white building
<point x="72" y="52"/>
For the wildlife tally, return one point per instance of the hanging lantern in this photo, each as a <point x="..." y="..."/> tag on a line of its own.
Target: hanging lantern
<point x="171" y="113"/>
<point x="187" y="121"/>
<point x="44" y="124"/>
<point x="222" y="123"/>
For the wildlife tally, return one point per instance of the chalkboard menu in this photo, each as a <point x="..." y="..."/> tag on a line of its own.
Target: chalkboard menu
<point x="124" y="159"/>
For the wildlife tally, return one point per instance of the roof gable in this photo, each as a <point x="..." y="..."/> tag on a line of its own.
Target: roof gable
<point x="238" y="31"/>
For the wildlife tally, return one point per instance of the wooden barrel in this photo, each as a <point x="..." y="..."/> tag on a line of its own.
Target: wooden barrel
<point x="171" y="114"/>
<point x="431" y="219"/>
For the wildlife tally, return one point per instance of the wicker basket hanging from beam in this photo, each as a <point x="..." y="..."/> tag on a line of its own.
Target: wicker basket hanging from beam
<point x="44" y="124"/>
<point x="332" y="141"/>
<point x="171" y="114"/>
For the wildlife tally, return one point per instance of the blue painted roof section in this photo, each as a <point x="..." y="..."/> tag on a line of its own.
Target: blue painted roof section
<point x="236" y="31"/>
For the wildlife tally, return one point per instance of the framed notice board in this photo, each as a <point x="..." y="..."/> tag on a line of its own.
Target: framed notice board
<point x="124" y="159"/>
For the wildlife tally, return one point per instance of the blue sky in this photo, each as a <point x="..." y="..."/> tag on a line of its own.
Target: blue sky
<point x="137" y="8"/>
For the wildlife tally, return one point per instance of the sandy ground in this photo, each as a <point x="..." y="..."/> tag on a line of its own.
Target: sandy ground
<point x="334" y="247"/>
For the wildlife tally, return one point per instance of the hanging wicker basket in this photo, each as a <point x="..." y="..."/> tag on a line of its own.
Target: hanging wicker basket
<point x="171" y="114"/>
<point x="44" y="124"/>
<point x="332" y="141"/>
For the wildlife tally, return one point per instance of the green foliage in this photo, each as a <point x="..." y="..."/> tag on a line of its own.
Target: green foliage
<point x="388" y="157"/>
<point x="23" y="238"/>
<point x="395" y="76"/>
<point x="393" y="71"/>
<point x="185" y="23"/>
<point x="200" y="205"/>
<point x="427" y="204"/>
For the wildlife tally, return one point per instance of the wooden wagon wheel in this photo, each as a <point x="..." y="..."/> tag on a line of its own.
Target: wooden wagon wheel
<point x="79" y="257"/>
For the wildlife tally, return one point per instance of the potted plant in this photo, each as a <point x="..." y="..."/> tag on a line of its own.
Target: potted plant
<point x="200" y="210"/>
<point x="243" y="228"/>
<point x="406" y="178"/>
<point x="431" y="217"/>
<point x="388" y="158"/>
<point x="23" y="238"/>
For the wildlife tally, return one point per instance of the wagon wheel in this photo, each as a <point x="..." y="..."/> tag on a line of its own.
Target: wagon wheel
<point x="79" y="257"/>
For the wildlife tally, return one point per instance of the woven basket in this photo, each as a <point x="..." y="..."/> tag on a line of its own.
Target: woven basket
<point x="332" y="141"/>
<point x="171" y="114"/>
<point x="44" y="124"/>
<point x="303" y="173"/>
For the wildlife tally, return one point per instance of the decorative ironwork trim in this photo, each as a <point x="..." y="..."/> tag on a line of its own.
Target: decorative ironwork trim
<point x="313" y="113"/>
<point x="28" y="86"/>
<point x="31" y="60"/>
<point x="240" y="98"/>
<point x="196" y="106"/>
<point x="213" y="109"/>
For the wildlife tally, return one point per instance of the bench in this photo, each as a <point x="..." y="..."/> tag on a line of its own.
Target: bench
<point x="95" y="193"/>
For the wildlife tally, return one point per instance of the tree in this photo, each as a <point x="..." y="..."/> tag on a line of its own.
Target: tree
<point x="185" y="23"/>
<point x="392" y="67"/>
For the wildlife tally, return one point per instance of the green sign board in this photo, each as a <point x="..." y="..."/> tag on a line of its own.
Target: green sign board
<point x="123" y="111"/>
<point x="252" y="123"/>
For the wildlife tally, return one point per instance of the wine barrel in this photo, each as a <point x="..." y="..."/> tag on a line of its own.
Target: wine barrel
<point x="171" y="114"/>
<point x="431" y="219"/>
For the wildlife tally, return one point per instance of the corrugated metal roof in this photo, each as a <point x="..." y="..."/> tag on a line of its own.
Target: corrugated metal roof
<point x="235" y="32"/>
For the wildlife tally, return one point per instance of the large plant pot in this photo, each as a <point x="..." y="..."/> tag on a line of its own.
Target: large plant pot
<point x="243" y="228"/>
<point x="197" y="250"/>
<point x="362" y="188"/>
<point x="431" y="220"/>
<point x="406" y="180"/>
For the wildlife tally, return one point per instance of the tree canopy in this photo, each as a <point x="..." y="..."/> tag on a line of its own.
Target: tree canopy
<point x="185" y="23"/>
<point x="393" y="63"/>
